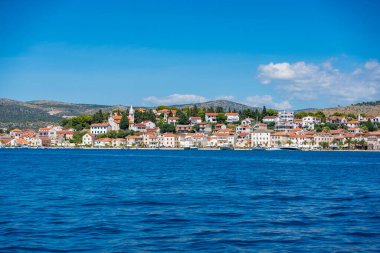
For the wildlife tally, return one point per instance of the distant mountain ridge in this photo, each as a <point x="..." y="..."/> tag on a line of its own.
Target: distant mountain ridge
<point x="38" y="113"/>
<point x="225" y="104"/>
<point x="368" y="108"/>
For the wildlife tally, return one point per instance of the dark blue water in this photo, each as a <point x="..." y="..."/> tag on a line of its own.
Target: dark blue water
<point x="214" y="201"/>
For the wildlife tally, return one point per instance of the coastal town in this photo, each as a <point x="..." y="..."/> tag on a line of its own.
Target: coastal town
<point x="199" y="128"/>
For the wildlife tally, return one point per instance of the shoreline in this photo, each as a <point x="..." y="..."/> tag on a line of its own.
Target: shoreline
<point x="183" y="149"/>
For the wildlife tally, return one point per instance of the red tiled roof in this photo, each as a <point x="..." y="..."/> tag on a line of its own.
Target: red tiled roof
<point x="99" y="124"/>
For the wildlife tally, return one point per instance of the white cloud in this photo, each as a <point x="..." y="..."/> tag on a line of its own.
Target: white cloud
<point x="176" y="99"/>
<point x="267" y="100"/>
<point x="225" y="98"/>
<point x="306" y="81"/>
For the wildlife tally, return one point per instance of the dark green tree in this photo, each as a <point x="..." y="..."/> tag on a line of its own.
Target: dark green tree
<point x="219" y="109"/>
<point x="124" y="122"/>
<point x="183" y="119"/>
<point x="221" y="118"/>
<point x="98" y="117"/>
<point x="167" y="128"/>
<point x="264" y="111"/>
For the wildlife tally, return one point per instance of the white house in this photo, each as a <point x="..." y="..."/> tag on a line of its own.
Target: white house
<point x="99" y="128"/>
<point x="118" y="142"/>
<point x="352" y="123"/>
<point x="310" y="121"/>
<point x="88" y="139"/>
<point x="211" y="117"/>
<point x="133" y="140"/>
<point x="243" y="129"/>
<point x="173" y="120"/>
<point x="224" y="139"/>
<point x="247" y="121"/>
<point x="195" y="120"/>
<point x="285" y="116"/>
<point x="169" y="140"/>
<point x="232" y="117"/>
<point x="269" y="119"/>
<point x="205" y="127"/>
<point x="140" y="127"/>
<point x="375" y="119"/>
<point x="103" y="142"/>
<point x="337" y="120"/>
<point x="279" y="138"/>
<point x="149" y="124"/>
<point x="15" y="133"/>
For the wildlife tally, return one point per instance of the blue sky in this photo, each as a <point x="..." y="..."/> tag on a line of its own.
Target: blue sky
<point x="284" y="54"/>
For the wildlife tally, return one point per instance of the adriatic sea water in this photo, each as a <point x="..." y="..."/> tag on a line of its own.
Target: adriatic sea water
<point x="196" y="201"/>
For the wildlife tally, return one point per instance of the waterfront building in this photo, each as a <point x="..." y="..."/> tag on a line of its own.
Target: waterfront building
<point x="88" y="139"/>
<point x="169" y="140"/>
<point x="261" y="138"/>
<point x="15" y="133"/>
<point x="103" y="143"/>
<point x="279" y="139"/>
<point x="133" y="140"/>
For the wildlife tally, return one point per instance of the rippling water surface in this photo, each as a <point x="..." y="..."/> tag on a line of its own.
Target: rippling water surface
<point x="215" y="201"/>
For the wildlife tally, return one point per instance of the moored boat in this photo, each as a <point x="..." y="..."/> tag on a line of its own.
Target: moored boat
<point x="290" y="148"/>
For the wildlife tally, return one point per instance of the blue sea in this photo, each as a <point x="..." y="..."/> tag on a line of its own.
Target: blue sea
<point x="196" y="201"/>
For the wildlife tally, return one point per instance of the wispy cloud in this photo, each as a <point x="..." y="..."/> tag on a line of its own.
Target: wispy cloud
<point x="267" y="100"/>
<point x="176" y="99"/>
<point x="308" y="81"/>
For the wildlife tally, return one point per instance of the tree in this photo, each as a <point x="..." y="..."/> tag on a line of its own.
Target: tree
<point x="124" y="122"/>
<point x="271" y="112"/>
<point x="219" y="109"/>
<point x="196" y="128"/>
<point x="183" y="119"/>
<point x="324" y="144"/>
<point x="167" y="128"/>
<point x="98" y="117"/>
<point x="77" y="137"/>
<point x="147" y="115"/>
<point x="78" y="123"/>
<point x="221" y="118"/>
<point x="264" y="111"/>
<point x="195" y="111"/>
